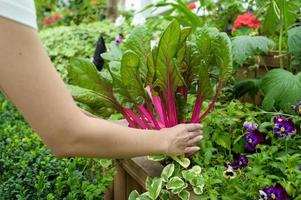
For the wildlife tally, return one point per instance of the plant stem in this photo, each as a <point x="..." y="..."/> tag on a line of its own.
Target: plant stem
<point x="211" y="106"/>
<point x="282" y="7"/>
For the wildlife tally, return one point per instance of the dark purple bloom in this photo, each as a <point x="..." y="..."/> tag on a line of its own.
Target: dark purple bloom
<point x="283" y="126"/>
<point x="240" y="161"/>
<point x="276" y="192"/>
<point x="252" y="140"/>
<point x="299" y="168"/>
<point x="250" y="126"/>
<point x="119" y="39"/>
<point x="297" y="108"/>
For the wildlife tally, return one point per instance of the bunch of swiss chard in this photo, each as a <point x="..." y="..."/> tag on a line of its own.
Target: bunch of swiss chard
<point x="150" y="86"/>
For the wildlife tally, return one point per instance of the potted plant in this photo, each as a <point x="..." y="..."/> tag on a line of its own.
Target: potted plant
<point x="151" y="87"/>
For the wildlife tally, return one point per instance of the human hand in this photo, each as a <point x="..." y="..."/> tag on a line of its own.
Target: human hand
<point x="182" y="139"/>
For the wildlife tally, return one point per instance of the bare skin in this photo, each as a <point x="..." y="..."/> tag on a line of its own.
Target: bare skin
<point x="29" y="79"/>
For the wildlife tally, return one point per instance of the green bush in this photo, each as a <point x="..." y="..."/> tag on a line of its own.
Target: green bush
<point x="64" y="43"/>
<point x="30" y="171"/>
<point x="73" y="12"/>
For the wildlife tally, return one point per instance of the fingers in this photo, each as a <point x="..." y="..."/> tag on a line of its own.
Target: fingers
<point x="194" y="140"/>
<point x="191" y="150"/>
<point x="191" y="135"/>
<point x="193" y="127"/>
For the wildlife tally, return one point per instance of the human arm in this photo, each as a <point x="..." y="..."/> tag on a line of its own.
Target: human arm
<point x="31" y="82"/>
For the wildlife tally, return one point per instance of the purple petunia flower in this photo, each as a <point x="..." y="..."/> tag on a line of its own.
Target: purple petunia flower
<point x="250" y="126"/>
<point x="240" y="161"/>
<point x="283" y="126"/>
<point x="299" y="168"/>
<point x="297" y="108"/>
<point x="119" y="39"/>
<point x="276" y="192"/>
<point x="252" y="140"/>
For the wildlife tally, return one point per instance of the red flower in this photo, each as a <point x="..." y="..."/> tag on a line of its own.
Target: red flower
<point x="248" y="20"/>
<point x="56" y="17"/>
<point x="191" y="5"/>
<point x="48" y="21"/>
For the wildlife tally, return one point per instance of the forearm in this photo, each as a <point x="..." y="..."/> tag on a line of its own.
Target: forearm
<point x="100" y="138"/>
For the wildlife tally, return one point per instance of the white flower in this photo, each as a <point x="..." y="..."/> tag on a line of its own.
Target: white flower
<point x="119" y="20"/>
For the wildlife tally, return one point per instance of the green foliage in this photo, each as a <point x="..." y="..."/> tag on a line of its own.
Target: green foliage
<point x="64" y="43"/>
<point x="30" y="171"/>
<point x="178" y="11"/>
<point x="281" y="90"/>
<point x="71" y="12"/>
<point x="294" y="44"/>
<point x="271" y="23"/>
<point x="245" y="47"/>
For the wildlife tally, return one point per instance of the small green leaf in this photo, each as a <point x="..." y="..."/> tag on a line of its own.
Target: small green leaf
<point x="134" y="195"/>
<point x="184" y="162"/>
<point x="167" y="172"/>
<point x="156" y="158"/>
<point x="198" y="189"/>
<point x="175" y="183"/>
<point x="223" y="139"/>
<point x="155" y="188"/>
<point x="196" y="169"/>
<point x="184" y="195"/>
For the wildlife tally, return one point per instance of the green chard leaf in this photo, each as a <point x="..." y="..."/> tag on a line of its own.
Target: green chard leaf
<point x="139" y="42"/>
<point x="84" y="74"/>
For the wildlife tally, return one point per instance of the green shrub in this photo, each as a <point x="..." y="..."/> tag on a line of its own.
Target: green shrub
<point x="64" y="43"/>
<point x="30" y="171"/>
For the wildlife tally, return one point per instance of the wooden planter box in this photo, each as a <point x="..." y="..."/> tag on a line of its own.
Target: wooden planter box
<point x="131" y="175"/>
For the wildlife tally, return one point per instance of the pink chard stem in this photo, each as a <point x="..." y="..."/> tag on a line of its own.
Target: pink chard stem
<point x="135" y="118"/>
<point x="212" y="104"/>
<point x="197" y="110"/>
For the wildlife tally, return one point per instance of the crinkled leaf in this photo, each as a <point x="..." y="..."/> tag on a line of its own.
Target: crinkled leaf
<point x="281" y="90"/>
<point x="167" y="172"/>
<point x="139" y="42"/>
<point x="294" y="43"/>
<point x="130" y="76"/>
<point x="167" y="50"/>
<point x="84" y="74"/>
<point x="215" y="50"/>
<point x="97" y="102"/>
<point x="246" y="46"/>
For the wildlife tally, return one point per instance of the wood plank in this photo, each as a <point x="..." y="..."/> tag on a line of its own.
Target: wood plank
<point x="140" y="168"/>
